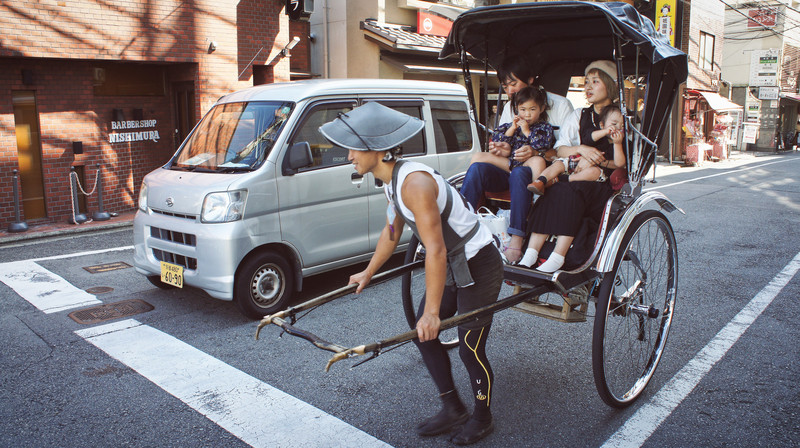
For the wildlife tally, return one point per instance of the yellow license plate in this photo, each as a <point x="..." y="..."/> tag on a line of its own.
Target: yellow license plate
<point x="172" y="274"/>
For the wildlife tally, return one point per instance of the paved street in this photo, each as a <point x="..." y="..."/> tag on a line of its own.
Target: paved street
<point x="188" y="372"/>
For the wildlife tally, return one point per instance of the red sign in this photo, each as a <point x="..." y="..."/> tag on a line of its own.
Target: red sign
<point x="760" y="18"/>
<point x="435" y="25"/>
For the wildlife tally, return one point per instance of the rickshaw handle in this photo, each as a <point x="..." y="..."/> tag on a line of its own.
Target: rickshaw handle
<point x="454" y="321"/>
<point x="335" y="294"/>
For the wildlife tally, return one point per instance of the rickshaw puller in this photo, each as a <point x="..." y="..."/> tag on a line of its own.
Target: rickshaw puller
<point x="463" y="269"/>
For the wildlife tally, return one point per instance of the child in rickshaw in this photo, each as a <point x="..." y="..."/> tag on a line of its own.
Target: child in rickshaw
<point x="562" y="211"/>
<point x="528" y="127"/>
<point x="607" y="139"/>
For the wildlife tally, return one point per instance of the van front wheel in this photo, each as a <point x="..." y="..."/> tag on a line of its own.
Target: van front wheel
<point x="263" y="285"/>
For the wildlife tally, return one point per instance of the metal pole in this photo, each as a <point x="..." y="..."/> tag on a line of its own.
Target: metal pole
<point x="18" y="225"/>
<point x="100" y="214"/>
<point x="76" y="218"/>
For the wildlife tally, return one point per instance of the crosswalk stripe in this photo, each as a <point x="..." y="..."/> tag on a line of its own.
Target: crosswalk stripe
<point x="43" y="289"/>
<point x="248" y="408"/>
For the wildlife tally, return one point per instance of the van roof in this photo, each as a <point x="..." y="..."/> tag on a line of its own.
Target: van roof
<point x="299" y="90"/>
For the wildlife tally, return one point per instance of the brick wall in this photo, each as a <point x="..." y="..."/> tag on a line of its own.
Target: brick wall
<point x="61" y="43"/>
<point x="706" y="16"/>
<point x="301" y="54"/>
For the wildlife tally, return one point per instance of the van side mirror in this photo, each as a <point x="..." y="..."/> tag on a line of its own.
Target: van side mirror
<point x="298" y="156"/>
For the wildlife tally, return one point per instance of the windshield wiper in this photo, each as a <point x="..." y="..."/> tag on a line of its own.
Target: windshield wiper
<point x="235" y="169"/>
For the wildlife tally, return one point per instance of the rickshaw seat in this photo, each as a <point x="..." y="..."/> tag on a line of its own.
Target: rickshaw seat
<point x="501" y="196"/>
<point x="617" y="179"/>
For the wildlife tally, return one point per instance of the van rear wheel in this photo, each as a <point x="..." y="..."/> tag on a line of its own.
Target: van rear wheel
<point x="263" y="285"/>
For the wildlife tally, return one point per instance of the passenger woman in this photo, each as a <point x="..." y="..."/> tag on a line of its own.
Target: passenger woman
<point x="562" y="210"/>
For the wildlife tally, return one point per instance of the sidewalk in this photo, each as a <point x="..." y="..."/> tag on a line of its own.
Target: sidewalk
<point x="124" y="219"/>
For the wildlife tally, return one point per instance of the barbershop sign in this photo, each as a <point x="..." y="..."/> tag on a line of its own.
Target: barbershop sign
<point x="138" y="131"/>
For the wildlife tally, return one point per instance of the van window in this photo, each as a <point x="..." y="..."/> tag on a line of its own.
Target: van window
<point x="324" y="152"/>
<point x="414" y="146"/>
<point x="451" y="126"/>
<point x="233" y="137"/>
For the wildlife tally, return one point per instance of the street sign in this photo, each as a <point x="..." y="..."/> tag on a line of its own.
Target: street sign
<point x="768" y="93"/>
<point x="764" y="67"/>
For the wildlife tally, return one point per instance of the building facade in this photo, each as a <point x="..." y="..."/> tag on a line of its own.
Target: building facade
<point x="762" y="65"/>
<point x="109" y="90"/>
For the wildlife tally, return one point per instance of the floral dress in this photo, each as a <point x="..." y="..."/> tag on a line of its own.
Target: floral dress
<point x="540" y="140"/>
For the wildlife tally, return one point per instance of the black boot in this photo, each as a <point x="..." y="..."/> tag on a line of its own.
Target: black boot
<point x="453" y="413"/>
<point x="472" y="431"/>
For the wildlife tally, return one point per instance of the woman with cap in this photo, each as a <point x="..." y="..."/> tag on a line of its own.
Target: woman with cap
<point x="515" y="73"/>
<point x="562" y="210"/>
<point x="463" y="270"/>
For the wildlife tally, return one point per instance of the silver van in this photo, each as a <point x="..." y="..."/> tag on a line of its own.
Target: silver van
<point x="255" y="199"/>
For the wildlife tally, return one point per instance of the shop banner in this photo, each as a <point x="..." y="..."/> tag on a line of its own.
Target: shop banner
<point x="764" y="67"/>
<point x="666" y="11"/>
<point x="762" y="18"/>
<point x="750" y="133"/>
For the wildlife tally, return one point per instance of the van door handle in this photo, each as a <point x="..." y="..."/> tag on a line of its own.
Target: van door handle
<point x="357" y="179"/>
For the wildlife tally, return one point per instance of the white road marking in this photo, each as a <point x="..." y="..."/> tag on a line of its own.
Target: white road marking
<point x="641" y="425"/>
<point x="694" y="179"/>
<point x="83" y="254"/>
<point x="252" y="410"/>
<point x="42" y="288"/>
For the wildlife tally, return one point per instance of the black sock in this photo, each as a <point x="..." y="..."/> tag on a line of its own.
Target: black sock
<point x="543" y="179"/>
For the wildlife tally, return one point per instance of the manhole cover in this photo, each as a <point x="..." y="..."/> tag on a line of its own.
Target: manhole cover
<point x="110" y="311"/>
<point x="107" y="267"/>
<point x="99" y="289"/>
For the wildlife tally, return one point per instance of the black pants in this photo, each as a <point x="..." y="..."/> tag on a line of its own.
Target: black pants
<point x="486" y="268"/>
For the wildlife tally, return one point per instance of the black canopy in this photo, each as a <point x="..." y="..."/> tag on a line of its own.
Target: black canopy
<point x="562" y="38"/>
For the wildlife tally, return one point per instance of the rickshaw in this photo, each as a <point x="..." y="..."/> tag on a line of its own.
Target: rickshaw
<point x="631" y="275"/>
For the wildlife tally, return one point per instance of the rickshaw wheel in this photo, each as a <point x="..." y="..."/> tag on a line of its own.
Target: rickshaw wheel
<point x="413" y="286"/>
<point x="634" y="310"/>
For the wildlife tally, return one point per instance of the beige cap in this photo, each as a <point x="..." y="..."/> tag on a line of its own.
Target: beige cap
<point x="604" y="66"/>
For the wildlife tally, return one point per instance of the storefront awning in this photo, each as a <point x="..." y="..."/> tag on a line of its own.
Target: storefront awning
<point x="791" y="96"/>
<point x="717" y="102"/>
<point x="430" y="66"/>
<point x="401" y="38"/>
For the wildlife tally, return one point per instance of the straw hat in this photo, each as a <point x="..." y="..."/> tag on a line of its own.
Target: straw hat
<point x="371" y="127"/>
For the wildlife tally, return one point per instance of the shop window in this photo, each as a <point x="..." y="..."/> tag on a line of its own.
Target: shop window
<point x="706" y="57"/>
<point x="129" y="80"/>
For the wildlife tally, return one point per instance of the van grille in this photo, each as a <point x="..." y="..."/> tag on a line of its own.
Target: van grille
<point x="176" y="237"/>
<point x="181" y="260"/>
<point x="175" y="215"/>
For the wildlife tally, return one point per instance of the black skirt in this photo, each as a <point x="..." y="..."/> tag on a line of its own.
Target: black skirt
<point x="562" y="210"/>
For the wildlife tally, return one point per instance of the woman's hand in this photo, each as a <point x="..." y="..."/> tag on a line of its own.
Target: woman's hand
<point x="428" y="327"/>
<point x="501" y="149"/>
<point x="523" y="153"/>
<point x="593" y="155"/>
<point x="362" y="278"/>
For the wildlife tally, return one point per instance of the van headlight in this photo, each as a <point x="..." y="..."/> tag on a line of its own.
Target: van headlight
<point x="143" y="197"/>
<point x="224" y="206"/>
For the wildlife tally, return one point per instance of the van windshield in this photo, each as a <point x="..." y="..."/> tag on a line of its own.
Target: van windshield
<point x="233" y="137"/>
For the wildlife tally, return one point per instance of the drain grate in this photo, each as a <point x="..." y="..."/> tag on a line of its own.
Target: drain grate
<point x="96" y="269"/>
<point x="99" y="289"/>
<point x="124" y="308"/>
